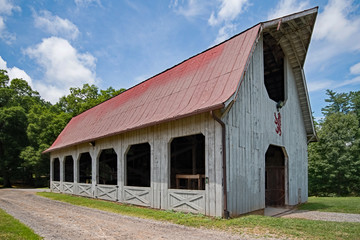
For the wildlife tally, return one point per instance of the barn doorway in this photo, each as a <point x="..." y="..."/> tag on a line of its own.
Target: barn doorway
<point x="275" y="191"/>
<point x="56" y="170"/>
<point x="188" y="162"/>
<point x="69" y="169"/>
<point x="108" y="167"/>
<point x="85" y="175"/>
<point x="138" y="162"/>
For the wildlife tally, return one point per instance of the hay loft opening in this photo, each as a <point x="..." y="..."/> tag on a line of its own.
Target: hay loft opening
<point x="108" y="167"/>
<point x="188" y="162"/>
<point x="274" y="176"/>
<point x="85" y="168"/>
<point x="56" y="170"/>
<point x="274" y="78"/>
<point x="69" y="169"/>
<point x="138" y="165"/>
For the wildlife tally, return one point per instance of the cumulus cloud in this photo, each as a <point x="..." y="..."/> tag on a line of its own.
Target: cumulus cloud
<point x="15" y="72"/>
<point x="286" y="7"/>
<point x="63" y="66"/>
<point x="228" y="11"/>
<point x="225" y="17"/>
<point x="6" y="9"/>
<point x="56" y="25"/>
<point x="225" y="32"/>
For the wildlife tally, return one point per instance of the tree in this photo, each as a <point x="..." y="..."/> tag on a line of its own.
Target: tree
<point x="334" y="161"/>
<point x="44" y="125"/>
<point x="81" y="99"/>
<point x="13" y="139"/>
<point x="29" y="125"/>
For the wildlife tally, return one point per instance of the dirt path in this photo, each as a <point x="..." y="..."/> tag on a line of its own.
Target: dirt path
<point x="57" y="220"/>
<point x="324" y="216"/>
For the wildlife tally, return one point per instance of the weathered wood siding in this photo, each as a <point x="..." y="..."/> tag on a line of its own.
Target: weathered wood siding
<point x="250" y="128"/>
<point x="158" y="195"/>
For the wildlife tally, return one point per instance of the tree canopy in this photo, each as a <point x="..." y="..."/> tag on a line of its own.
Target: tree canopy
<point x="29" y="125"/>
<point x="334" y="161"/>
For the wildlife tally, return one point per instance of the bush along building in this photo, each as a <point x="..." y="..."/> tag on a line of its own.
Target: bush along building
<point x="223" y="133"/>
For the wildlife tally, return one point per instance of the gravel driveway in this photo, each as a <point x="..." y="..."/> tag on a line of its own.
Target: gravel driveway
<point x="57" y="220"/>
<point x="324" y="216"/>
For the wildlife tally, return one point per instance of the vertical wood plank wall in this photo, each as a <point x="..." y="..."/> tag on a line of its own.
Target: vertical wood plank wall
<point x="159" y="138"/>
<point x="250" y="128"/>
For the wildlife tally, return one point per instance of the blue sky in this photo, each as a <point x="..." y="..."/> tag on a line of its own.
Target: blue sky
<point x="59" y="44"/>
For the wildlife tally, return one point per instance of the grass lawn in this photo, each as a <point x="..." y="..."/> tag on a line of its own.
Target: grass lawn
<point x="257" y="225"/>
<point x="333" y="204"/>
<point x="11" y="228"/>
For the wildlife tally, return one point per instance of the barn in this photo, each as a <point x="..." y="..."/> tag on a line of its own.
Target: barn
<point x="222" y="133"/>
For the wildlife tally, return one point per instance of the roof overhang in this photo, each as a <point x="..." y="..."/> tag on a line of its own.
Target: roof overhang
<point x="293" y="33"/>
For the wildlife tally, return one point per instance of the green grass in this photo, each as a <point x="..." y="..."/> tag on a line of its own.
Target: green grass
<point x="253" y="225"/>
<point x="333" y="204"/>
<point x="11" y="228"/>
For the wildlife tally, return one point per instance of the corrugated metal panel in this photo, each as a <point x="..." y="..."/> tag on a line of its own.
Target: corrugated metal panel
<point x="201" y="83"/>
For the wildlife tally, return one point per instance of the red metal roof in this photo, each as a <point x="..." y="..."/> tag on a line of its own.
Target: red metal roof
<point x="201" y="83"/>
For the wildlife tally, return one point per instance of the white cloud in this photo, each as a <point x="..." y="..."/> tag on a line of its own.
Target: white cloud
<point x="229" y="10"/>
<point x="55" y="25"/>
<point x="15" y="72"/>
<point x="355" y="69"/>
<point x="330" y="84"/>
<point x="63" y="65"/>
<point x="286" y="7"/>
<point x="6" y="9"/>
<point x="225" y="17"/>
<point x="225" y="32"/>
<point x="82" y="3"/>
<point x="336" y="30"/>
<point x="190" y="8"/>
<point x="320" y="85"/>
<point x="2" y="24"/>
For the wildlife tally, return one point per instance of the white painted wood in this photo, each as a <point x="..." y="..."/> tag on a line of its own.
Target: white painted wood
<point x="187" y="200"/>
<point x="68" y="187"/>
<point x="138" y="196"/>
<point x="159" y="138"/>
<point x="55" y="186"/>
<point x="76" y="167"/>
<point x="107" y="192"/>
<point x="84" y="189"/>
<point x="251" y="129"/>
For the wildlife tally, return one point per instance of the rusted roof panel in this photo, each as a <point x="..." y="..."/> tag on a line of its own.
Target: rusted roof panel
<point x="201" y="83"/>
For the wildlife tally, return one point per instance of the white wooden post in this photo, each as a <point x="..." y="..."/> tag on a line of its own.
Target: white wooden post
<point x="62" y="177"/>
<point x="94" y="169"/>
<point x="76" y="167"/>
<point x="51" y="170"/>
<point x="119" y="171"/>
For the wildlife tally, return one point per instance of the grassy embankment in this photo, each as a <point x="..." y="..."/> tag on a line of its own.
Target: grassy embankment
<point x="255" y="225"/>
<point x="11" y="228"/>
